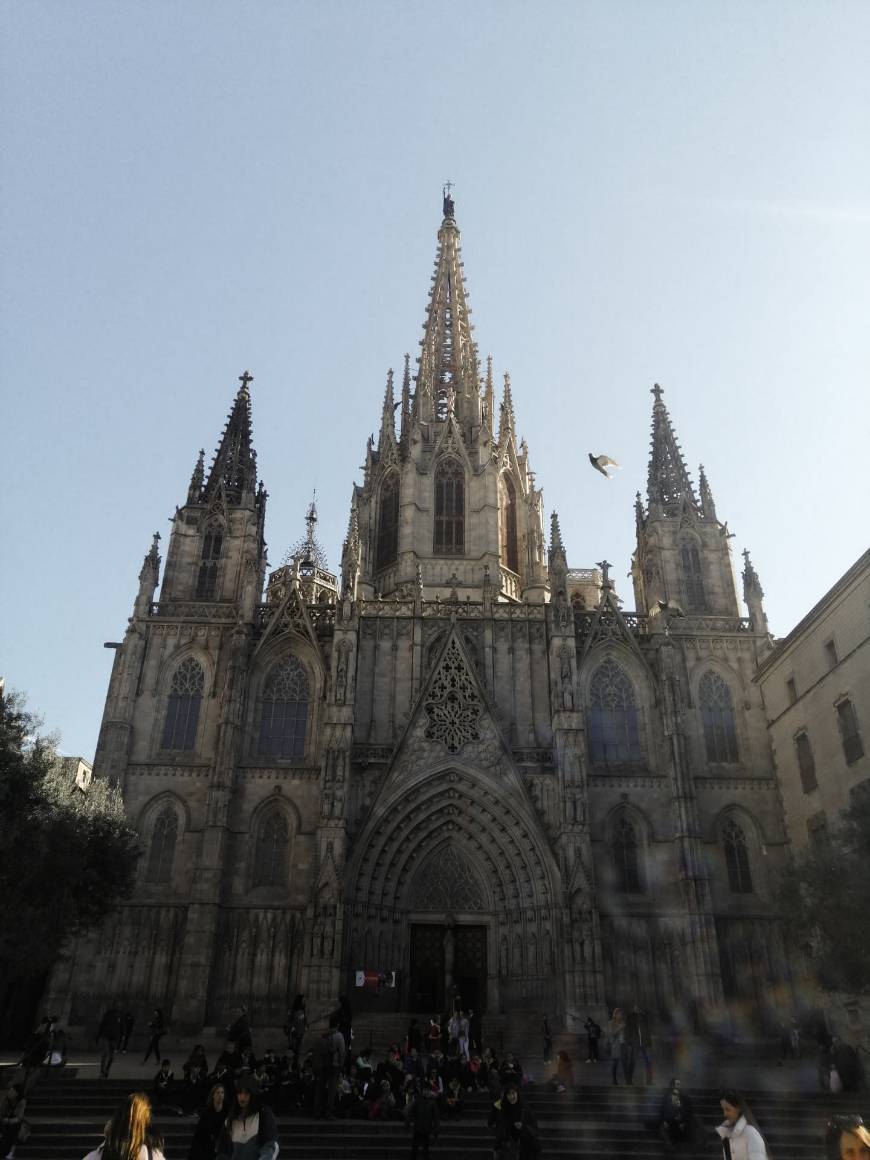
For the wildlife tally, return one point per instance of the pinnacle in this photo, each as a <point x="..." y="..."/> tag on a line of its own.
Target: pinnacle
<point x="235" y="461"/>
<point x="555" y="534"/>
<point x="668" y="481"/>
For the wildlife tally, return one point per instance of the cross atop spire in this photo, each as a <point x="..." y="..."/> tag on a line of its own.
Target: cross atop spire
<point x="668" y="481"/>
<point x="235" y="461"/>
<point x="449" y="206"/>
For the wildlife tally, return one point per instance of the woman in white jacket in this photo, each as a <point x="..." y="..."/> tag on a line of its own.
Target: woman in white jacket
<point x="741" y="1140"/>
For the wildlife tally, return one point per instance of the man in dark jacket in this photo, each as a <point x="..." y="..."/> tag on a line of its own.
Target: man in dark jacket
<point x="423" y="1121"/>
<point x="327" y="1061"/>
<point x="109" y="1032"/>
<point x="638" y="1042"/>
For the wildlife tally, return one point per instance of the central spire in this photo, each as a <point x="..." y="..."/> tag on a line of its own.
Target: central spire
<point x="448" y="380"/>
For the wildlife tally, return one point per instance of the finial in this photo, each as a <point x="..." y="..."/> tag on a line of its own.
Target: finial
<point x="244" y="379"/>
<point x="153" y="553"/>
<point x="555" y="533"/>
<point x="658" y="392"/>
<point x="449" y="206"/>
<point x="605" y="567"/>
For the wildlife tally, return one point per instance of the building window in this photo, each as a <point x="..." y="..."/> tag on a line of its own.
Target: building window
<point x="388" y="522"/>
<point x="625" y="858"/>
<point x="284" y="710"/>
<point x="693" y="580"/>
<point x="614" y="736"/>
<point x="509" y="553"/>
<point x="791" y="690"/>
<point x="737" y="858"/>
<point x="161" y="854"/>
<point x="212" y="546"/>
<point x="717" y="715"/>
<point x="449" y="508"/>
<point x="270" y="851"/>
<point x="182" y="710"/>
<point x="806" y="761"/>
<point x="831" y="654"/>
<point x="853" y="747"/>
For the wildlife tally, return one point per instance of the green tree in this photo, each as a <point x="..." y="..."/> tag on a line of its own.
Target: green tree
<point x="823" y="898"/>
<point x="67" y="856"/>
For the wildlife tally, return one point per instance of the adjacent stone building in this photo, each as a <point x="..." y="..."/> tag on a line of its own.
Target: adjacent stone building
<point x="465" y="761"/>
<point x="816" y="688"/>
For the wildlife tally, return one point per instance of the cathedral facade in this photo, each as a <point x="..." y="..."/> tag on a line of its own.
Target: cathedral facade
<point x="462" y="760"/>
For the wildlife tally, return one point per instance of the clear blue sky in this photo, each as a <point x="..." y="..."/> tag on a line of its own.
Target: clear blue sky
<point x="650" y="191"/>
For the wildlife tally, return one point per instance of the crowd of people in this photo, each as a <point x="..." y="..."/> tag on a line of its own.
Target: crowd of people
<point x="422" y="1081"/>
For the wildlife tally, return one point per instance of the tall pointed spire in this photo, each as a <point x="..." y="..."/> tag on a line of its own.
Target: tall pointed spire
<point x="753" y="594"/>
<point x="706" y="495"/>
<point x="489" y="396"/>
<point x="194" y="491"/>
<point x="506" y="422"/>
<point x="235" y="461"/>
<point x="405" y="428"/>
<point x="449" y="367"/>
<point x="388" y="426"/>
<point x="149" y="576"/>
<point x="668" y="481"/>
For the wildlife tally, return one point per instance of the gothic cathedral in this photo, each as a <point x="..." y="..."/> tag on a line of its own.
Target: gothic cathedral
<point x="464" y="762"/>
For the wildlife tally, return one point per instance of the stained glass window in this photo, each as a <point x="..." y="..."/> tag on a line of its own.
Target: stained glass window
<point x="614" y="736"/>
<point x="182" y="710"/>
<point x="717" y="715"/>
<point x="284" y="710"/>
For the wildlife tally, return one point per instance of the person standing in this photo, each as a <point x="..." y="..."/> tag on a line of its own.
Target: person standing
<point x="423" y="1120"/>
<point x="297" y="1025"/>
<point x="638" y="1043"/>
<point x="463" y="1035"/>
<point x="129" y="1135"/>
<point x="109" y="1033"/>
<point x="616" y="1036"/>
<point x="515" y="1126"/>
<point x="240" y="1031"/>
<point x="128" y="1022"/>
<point x="251" y="1130"/>
<point x="327" y="1061"/>
<point x="156" y="1031"/>
<point x="593" y="1036"/>
<point x="210" y="1125"/>
<point x="741" y="1140"/>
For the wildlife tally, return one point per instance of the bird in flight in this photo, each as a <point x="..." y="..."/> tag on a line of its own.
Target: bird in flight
<point x="601" y="463"/>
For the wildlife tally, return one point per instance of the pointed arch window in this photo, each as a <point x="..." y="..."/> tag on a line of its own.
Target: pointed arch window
<point x="693" y="579"/>
<point x="614" y="735"/>
<point x="449" y="508"/>
<point x="388" y="522"/>
<point x="182" y="710"/>
<point x="209" y="560"/>
<point x="270" y="850"/>
<point x="736" y="858"/>
<point x="161" y="853"/>
<point x="626" y="863"/>
<point x="284" y="710"/>
<point x="509" y="551"/>
<point x="717" y="715"/>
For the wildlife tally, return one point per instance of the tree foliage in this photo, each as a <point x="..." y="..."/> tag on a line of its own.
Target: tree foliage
<point x="67" y="856"/>
<point x="824" y="898"/>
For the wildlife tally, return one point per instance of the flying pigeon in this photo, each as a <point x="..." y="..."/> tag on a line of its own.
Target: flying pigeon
<point x="601" y="462"/>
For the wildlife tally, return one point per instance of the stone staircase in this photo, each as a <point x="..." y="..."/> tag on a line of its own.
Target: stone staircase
<point x="67" y="1114"/>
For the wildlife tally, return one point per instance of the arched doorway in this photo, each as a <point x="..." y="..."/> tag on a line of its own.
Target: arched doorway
<point x="449" y="932"/>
